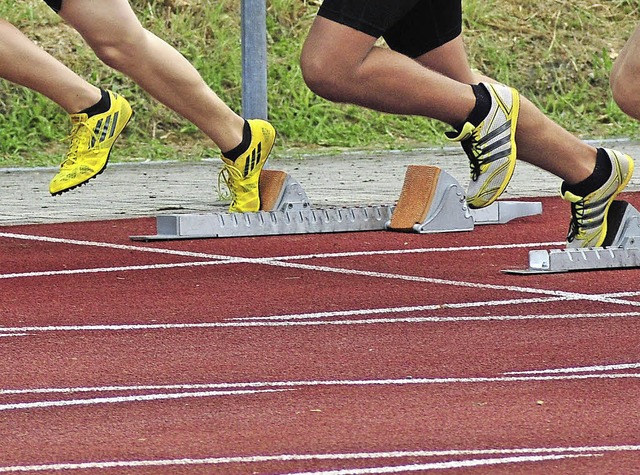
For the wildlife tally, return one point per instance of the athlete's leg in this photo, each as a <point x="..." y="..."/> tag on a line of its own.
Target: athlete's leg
<point x="625" y="76"/>
<point x="113" y="31"/>
<point x="433" y="85"/>
<point x="23" y="62"/>
<point x="26" y="64"/>
<point x="541" y="141"/>
<point x="342" y="64"/>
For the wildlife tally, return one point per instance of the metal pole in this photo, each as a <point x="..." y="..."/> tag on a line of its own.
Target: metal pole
<point x="254" y="59"/>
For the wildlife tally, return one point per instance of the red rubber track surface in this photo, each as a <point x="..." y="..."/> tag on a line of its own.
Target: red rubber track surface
<point x="356" y="353"/>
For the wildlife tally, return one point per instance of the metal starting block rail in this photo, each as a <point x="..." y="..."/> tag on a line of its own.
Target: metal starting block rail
<point x="621" y="248"/>
<point x="431" y="201"/>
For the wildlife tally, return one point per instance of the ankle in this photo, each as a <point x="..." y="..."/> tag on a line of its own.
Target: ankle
<point x="99" y="107"/>
<point x="598" y="177"/>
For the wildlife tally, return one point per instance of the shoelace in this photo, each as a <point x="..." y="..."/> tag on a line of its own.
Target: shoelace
<point x="231" y="177"/>
<point x="472" y="148"/>
<point x="74" y="138"/>
<point x="577" y="216"/>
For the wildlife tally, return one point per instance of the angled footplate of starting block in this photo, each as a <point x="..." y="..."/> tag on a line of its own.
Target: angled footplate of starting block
<point x="280" y="192"/>
<point x="431" y="201"/>
<point x="621" y="248"/>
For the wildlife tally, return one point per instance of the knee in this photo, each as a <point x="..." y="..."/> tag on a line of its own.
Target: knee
<point x="625" y="88"/>
<point x="119" y="53"/>
<point x="615" y="82"/>
<point x="322" y="76"/>
<point x="112" y="56"/>
<point x="616" y="91"/>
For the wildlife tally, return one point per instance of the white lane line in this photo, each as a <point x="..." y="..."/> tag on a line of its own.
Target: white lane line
<point x="606" y="298"/>
<point x="293" y="323"/>
<point x="263" y="386"/>
<point x="32" y="237"/>
<point x="443" y="465"/>
<point x="581" y="369"/>
<point x="417" y="308"/>
<point x="281" y="262"/>
<point x="123" y="399"/>
<point x="456" y="283"/>
<point x="221" y="259"/>
<point x="586" y="450"/>
<point x="624" y="294"/>
<point x="332" y="255"/>
<point x="122" y="247"/>
<point x="100" y="270"/>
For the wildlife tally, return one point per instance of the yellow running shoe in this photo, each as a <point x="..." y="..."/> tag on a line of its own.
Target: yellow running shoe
<point x="491" y="146"/>
<point x="242" y="175"/>
<point x="91" y="141"/>
<point x="588" y="227"/>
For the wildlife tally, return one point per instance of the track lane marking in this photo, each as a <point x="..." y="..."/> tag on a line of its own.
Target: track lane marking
<point x="221" y="259"/>
<point x="256" y="459"/>
<point x="134" y="398"/>
<point x="473" y="285"/>
<point x="280" y="262"/>
<point x="423" y="250"/>
<point x="444" y="465"/>
<point x="259" y="387"/>
<point x="581" y="369"/>
<point x="605" y="298"/>
<point x="122" y="247"/>
<point x="157" y="250"/>
<point x="100" y="270"/>
<point x="312" y="322"/>
<point x="444" y="306"/>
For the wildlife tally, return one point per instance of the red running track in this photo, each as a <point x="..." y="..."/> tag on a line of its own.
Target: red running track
<point x="339" y="354"/>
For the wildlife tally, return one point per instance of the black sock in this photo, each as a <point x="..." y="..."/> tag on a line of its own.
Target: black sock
<point x="234" y="153"/>
<point x="99" y="107"/>
<point x="600" y="175"/>
<point x="482" y="107"/>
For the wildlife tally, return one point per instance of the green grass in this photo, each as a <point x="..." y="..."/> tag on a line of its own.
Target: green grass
<point x="557" y="53"/>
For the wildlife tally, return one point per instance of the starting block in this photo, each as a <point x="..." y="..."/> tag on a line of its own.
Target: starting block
<point x="431" y="201"/>
<point x="621" y="248"/>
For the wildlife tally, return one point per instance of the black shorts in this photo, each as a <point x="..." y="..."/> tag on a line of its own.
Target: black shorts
<point x="55" y="4"/>
<point x="411" y="27"/>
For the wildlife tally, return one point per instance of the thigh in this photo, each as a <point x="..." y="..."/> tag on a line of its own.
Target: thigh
<point x="103" y="21"/>
<point x="427" y="26"/>
<point x="451" y="60"/>
<point x="627" y="64"/>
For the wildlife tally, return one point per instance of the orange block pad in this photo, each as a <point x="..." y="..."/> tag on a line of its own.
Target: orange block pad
<point x="416" y="197"/>
<point x="270" y="185"/>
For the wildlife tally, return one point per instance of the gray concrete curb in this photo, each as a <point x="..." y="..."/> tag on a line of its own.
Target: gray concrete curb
<point x="149" y="189"/>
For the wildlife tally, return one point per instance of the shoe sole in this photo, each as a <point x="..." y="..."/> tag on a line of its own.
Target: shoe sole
<point x="499" y="190"/>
